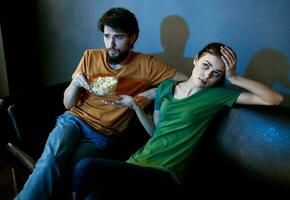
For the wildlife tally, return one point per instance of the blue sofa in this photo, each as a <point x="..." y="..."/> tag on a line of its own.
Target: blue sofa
<point x="245" y="151"/>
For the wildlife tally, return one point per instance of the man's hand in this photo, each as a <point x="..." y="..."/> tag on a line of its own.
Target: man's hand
<point x="82" y="81"/>
<point x="124" y="101"/>
<point x="149" y="94"/>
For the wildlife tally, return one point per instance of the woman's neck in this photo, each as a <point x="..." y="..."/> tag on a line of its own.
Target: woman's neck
<point x="185" y="89"/>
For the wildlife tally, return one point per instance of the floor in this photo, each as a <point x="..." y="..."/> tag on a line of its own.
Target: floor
<point x="7" y="189"/>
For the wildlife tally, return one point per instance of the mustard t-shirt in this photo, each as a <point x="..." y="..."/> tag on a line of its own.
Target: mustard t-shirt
<point x="139" y="73"/>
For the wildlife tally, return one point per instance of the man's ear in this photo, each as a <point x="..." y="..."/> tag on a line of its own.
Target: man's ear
<point x="133" y="38"/>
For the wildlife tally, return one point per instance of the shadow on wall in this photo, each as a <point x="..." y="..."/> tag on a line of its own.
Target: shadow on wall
<point x="271" y="67"/>
<point x="174" y="34"/>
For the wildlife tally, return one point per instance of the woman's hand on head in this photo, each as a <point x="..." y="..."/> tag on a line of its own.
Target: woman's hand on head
<point x="230" y="62"/>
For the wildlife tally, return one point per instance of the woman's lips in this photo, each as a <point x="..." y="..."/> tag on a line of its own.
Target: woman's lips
<point x="202" y="81"/>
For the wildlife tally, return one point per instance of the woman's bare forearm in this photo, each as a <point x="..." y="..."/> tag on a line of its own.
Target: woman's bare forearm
<point x="145" y="120"/>
<point x="261" y="93"/>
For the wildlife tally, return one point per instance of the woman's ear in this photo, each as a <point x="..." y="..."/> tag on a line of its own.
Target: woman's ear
<point x="195" y="60"/>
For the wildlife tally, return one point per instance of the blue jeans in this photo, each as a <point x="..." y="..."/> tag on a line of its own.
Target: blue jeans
<point x="70" y="140"/>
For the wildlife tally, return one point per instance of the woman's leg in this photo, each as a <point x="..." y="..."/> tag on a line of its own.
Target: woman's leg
<point x="108" y="179"/>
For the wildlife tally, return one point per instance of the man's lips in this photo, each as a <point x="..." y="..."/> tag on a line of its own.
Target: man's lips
<point x="112" y="51"/>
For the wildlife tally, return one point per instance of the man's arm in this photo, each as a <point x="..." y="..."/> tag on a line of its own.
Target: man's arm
<point x="180" y="76"/>
<point x="72" y="92"/>
<point x="150" y="94"/>
<point x="129" y="102"/>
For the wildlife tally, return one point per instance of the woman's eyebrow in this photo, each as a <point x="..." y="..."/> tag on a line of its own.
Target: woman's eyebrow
<point x="217" y="70"/>
<point x="208" y="63"/>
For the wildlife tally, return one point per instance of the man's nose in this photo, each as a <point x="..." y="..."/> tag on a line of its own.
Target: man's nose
<point x="112" y="42"/>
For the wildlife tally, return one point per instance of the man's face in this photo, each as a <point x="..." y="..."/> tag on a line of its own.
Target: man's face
<point x="117" y="45"/>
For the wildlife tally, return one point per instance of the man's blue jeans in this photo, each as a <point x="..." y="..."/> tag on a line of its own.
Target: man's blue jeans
<point x="69" y="141"/>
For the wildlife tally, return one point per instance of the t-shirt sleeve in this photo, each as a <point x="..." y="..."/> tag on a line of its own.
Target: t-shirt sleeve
<point x="160" y="71"/>
<point x="157" y="99"/>
<point x="81" y="68"/>
<point x="231" y="97"/>
<point x="162" y="92"/>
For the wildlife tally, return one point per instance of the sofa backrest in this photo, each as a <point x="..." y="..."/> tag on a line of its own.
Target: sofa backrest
<point x="245" y="151"/>
<point x="257" y="139"/>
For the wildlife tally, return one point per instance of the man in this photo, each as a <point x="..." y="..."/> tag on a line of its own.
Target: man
<point x="90" y="127"/>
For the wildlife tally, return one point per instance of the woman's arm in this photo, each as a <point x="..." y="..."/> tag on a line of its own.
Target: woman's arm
<point x="257" y="93"/>
<point x="129" y="102"/>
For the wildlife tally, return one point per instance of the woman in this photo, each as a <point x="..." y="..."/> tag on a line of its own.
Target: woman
<point x="182" y="112"/>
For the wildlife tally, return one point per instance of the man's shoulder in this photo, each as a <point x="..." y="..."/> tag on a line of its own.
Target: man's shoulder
<point x="95" y="51"/>
<point x="143" y="55"/>
<point x="167" y="83"/>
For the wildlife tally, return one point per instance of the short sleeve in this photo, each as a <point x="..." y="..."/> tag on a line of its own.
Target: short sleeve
<point x="160" y="71"/>
<point x="157" y="100"/>
<point x="226" y="96"/>
<point x="163" y="91"/>
<point x="81" y="68"/>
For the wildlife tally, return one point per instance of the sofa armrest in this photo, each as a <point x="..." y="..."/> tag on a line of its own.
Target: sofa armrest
<point x="256" y="139"/>
<point x="23" y="157"/>
<point x="32" y="117"/>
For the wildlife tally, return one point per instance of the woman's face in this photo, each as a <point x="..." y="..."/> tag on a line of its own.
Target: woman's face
<point x="208" y="70"/>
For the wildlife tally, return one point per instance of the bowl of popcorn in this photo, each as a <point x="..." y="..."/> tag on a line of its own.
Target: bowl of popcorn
<point x="105" y="86"/>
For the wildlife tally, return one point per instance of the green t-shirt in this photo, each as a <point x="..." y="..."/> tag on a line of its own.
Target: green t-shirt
<point x="181" y="125"/>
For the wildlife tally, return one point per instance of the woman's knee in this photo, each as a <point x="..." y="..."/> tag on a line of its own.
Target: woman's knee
<point x="82" y="178"/>
<point x="82" y="171"/>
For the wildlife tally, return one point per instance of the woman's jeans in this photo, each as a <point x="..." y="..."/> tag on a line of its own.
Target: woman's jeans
<point x="97" y="178"/>
<point x="69" y="141"/>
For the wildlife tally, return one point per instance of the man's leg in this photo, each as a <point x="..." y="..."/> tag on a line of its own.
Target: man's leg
<point x="58" y="149"/>
<point x="94" y="144"/>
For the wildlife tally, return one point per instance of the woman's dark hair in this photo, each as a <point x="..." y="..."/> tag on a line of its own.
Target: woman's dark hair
<point x="214" y="48"/>
<point x="120" y="19"/>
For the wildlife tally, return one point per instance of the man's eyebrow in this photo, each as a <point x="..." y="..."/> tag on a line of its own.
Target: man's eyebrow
<point x="117" y="34"/>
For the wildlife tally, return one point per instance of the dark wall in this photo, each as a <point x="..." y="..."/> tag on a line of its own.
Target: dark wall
<point x="44" y="40"/>
<point x="19" y="34"/>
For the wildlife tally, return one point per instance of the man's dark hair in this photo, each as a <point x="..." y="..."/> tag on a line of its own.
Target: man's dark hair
<point x="120" y="19"/>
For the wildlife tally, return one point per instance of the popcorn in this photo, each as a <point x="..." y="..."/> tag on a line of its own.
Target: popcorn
<point x="104" y="86"/>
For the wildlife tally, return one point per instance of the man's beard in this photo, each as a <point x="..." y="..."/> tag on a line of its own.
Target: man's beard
<point x="117" y="59"/>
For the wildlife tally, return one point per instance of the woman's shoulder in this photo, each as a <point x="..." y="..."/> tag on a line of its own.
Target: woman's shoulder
<point x="167" y="84"/>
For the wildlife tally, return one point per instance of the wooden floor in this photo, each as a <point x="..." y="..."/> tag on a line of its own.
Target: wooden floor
<point x="7" y="191"/>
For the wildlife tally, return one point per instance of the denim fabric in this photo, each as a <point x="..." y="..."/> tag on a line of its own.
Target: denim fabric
<point x="70" y="140"/>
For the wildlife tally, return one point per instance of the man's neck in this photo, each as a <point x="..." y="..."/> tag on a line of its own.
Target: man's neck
<point x="116" y="66"/>
<point x="120" y="65"/>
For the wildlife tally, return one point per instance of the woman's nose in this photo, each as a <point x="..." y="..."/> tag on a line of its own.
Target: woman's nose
<point x="207" y="74"/>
